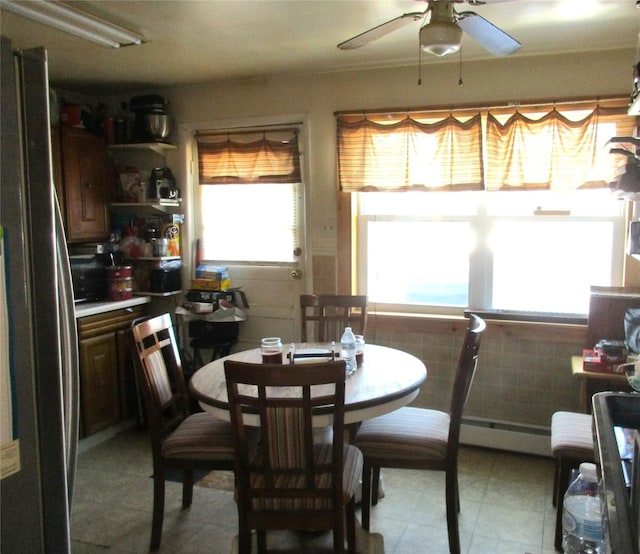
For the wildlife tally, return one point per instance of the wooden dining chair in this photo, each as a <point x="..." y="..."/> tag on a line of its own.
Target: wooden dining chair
<point x="418" y="438"/>
<point x="572" y="442"/>
<point x="178" y="439"/>
<point x="324" y="316"/>
<point x="289" y="481"/>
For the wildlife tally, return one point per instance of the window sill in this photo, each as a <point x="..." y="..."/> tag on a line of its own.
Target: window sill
<point x="533" y="317"/>
<point x="538" y="330"/>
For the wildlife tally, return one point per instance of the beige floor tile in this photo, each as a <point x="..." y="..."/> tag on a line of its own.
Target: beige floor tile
<point x="505" y="507"/>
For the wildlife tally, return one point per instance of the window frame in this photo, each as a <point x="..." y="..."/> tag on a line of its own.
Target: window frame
<point x="480" y="260"/>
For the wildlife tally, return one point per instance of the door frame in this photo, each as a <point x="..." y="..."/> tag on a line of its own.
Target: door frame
<point x="185" y="159"/>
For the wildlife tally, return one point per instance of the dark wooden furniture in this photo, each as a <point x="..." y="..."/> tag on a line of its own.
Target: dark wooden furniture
<point x="81" y="177"/>
<point x="374" y="389"/>
<point x="593" y="381"/>
<point x="178" y="439"/>
<point x="107" y="384"/>
<point x="417" y="438"/>
<point x="324" y="316"/>
<point x="290" y="482"/>
<point x="607" y="306"/>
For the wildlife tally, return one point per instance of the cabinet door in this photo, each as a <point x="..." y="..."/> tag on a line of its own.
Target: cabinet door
<point x="99" y="382"/>
<point x="126" y="374"/>
<point x="84" y="160"/>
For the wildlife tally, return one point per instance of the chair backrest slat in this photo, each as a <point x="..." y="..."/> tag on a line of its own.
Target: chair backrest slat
<point x="160" y="375"/>
<point x="465" y="373"/>
<point x="285" y="464"/>
<point x="324" y="316"/>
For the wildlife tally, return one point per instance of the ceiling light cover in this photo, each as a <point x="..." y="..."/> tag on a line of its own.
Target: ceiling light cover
<point x="440" y="38"/>
<point x="71" y="20"/>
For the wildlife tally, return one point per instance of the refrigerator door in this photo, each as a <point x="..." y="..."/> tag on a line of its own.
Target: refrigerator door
<point x="35" y="500"/>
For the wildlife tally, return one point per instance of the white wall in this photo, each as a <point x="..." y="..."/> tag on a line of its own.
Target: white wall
<point x="495" y="81"/>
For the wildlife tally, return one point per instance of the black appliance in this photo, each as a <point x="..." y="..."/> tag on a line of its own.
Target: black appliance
<point x="146" y="109"/>
<point x="89" y="275"/>
<point x="162" y="184"/>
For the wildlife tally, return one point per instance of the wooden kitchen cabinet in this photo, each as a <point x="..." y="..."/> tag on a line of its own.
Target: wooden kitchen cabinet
<point x="107" y="380"/>
<point x="83" y="169"/>
<point x="99" y="382"/>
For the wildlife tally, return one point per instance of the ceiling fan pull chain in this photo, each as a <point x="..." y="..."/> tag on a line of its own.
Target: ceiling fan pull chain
<point x="419" y="66"/>
<point x="460" y="83"/>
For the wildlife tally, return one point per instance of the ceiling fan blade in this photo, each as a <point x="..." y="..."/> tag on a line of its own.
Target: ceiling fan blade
<point x="492" y="38"/>
<point x="380" y="31"/>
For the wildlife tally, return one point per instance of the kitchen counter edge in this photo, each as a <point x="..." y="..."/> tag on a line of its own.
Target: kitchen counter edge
<point x="94" y="308"/>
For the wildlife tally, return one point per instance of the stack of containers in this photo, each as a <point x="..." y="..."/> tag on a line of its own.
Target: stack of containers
<point x="120" y="282"/>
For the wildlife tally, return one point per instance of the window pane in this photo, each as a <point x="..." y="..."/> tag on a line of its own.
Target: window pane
<point x="418" y="262"/>
<point x="248" y="222"/>
<point x="550" y="266"/>
<point x="417" y="203"/>
<point x="601" y="202"/>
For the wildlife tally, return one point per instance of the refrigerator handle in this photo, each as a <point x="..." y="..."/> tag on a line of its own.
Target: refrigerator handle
<point x="70" y="363"/>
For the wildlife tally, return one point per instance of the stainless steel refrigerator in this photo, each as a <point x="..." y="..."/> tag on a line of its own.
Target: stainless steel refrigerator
<point x="38" y="348"/>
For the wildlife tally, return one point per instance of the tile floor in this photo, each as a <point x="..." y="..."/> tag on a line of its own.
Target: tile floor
<point x="506" y="507"/>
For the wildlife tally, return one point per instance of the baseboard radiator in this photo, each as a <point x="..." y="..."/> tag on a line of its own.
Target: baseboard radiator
<point x="503" y="435"/>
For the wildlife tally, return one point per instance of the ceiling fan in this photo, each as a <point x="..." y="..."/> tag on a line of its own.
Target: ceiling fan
<point x="442" y="34"/>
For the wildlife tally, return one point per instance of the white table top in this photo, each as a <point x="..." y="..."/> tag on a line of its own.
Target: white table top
<point x="387" y="380"/>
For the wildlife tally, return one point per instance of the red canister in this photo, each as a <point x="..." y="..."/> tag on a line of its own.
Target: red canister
<point x="120" y="282"/>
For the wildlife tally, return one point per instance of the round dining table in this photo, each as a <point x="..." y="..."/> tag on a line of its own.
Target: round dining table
<point x="386" y="380"/>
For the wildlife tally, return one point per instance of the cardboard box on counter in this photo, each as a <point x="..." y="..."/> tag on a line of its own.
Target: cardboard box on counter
<point x="593" y="361"/>
<point x="210" y="284"/>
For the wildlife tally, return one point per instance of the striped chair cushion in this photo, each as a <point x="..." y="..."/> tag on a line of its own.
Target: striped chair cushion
<point x="411" y="433"/>
<point x="199" y="437"/>
<point x="351" y="474"/>
<point x="572" y="436"/>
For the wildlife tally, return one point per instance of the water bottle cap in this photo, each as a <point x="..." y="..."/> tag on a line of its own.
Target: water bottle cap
<point x="588" y="470"/>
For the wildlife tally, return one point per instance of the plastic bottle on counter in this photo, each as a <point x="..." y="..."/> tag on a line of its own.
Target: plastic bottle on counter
<point x="582" y="516"/>
<point x="348" y="350"/>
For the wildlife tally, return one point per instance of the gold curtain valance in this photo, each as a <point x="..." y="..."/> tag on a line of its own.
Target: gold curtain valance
<point x="387" y="154"/>
<point x="555" y="151"/>
<point x="245" y="158"/>
<point x="552" y="146"/>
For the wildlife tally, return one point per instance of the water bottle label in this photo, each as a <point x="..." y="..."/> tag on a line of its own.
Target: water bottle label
<point x="582" y="517"/>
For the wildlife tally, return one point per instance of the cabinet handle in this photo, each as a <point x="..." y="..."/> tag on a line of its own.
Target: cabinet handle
<point x="88" y="185"/>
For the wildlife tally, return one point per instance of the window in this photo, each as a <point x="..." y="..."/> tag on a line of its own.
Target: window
<point x="249" y="181"/>
<point x="522" y="251"/>
<point x="545" y="229"/>
<point x="266" y="214"/>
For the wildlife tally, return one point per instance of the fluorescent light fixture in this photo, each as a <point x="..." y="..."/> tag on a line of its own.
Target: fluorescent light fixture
<point x="73" y="21"/>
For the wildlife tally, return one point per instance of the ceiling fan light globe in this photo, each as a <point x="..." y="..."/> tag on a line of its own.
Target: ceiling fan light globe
<point x="440" y="38"/>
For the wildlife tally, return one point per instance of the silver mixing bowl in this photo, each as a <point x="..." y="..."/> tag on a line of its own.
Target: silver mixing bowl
<point x="158" y="125"/>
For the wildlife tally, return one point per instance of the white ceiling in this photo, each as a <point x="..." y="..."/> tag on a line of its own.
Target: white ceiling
<point x="192" y="41"/>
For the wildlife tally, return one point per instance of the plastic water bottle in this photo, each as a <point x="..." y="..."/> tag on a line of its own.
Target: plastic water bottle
<point x="348" y="349"/>
<point x="582" y="516"/>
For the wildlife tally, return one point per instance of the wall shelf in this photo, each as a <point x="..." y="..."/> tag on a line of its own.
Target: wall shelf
<point x="171" y="293"/>
<point x="162" y="207"/>
<point x="159" y="148"/>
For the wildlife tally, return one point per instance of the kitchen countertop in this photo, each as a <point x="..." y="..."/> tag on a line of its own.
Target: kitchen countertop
<point x="94" y="308"/>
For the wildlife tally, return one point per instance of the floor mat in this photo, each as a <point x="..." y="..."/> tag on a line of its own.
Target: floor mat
<point x="221" y="480"/>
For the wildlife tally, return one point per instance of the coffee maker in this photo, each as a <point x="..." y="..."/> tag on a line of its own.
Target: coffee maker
<point x="162" y="184"/>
